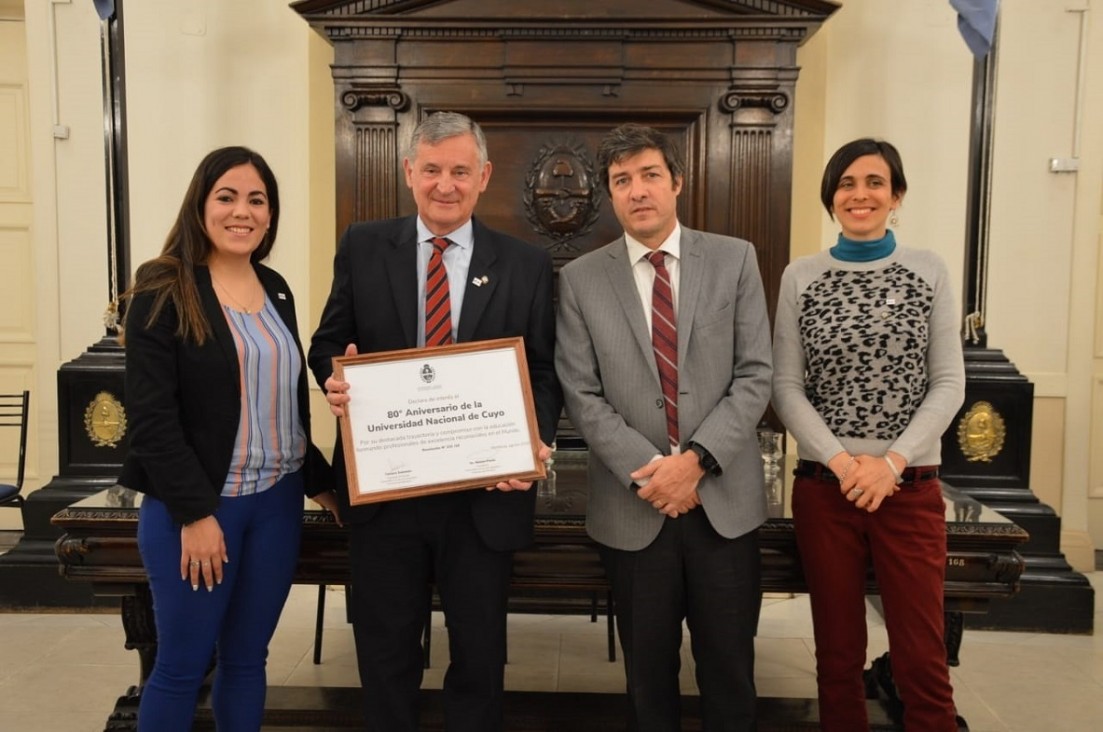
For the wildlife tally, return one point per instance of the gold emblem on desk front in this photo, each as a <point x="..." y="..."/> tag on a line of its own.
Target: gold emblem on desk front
<point x="981" y="432"/>
<point x="105" y="420"/>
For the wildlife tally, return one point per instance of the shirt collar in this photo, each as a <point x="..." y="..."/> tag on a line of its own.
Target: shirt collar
<point x="462" y="237"/>
<point x="672" y="245"/>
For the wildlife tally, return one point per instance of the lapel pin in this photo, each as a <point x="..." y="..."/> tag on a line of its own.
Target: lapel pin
<point x="281" y="296"/>
<point x="480" y="281"/>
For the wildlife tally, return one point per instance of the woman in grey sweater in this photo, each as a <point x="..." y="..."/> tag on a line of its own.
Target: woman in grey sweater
<point x="868" y="374"/>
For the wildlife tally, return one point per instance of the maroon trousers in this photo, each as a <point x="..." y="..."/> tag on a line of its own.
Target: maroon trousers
<point x="906" y="541"/>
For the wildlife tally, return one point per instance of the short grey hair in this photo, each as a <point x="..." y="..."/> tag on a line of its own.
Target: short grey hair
<point x="442" y="125"/>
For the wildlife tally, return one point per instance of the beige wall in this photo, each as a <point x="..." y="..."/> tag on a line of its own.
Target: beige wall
<point x="909" y="81"/>
<point x="205" y="73"/>
<point x="200" y="74"/>
<point x="898" y="70"/>
<point x="17" y="315"/>
<point x="62" y="283"/>
<point x="323" y="212"/>
<point x="1045" y="236"/>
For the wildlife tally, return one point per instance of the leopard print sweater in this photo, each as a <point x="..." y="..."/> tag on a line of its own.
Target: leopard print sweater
<point x="867" y="355"/>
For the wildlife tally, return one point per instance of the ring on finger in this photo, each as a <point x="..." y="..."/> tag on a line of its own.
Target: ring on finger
<point x="194" y="563"/>
<point x="856" y="492"/>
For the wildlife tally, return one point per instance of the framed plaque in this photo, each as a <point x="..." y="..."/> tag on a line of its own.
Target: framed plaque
<point x="435" y="420"/>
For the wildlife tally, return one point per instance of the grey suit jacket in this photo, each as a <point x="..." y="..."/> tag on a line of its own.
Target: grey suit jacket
<point x="611" y="385"/>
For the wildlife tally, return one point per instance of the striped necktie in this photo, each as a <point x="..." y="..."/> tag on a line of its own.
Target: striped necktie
<point x="664" y="340"/>
<point x="438" y="303"/>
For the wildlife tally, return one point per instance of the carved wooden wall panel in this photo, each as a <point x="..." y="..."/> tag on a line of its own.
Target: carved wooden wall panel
<point x="752" y="150"/>
<point x="377" y="178"/>
<point x="547" y="80"/>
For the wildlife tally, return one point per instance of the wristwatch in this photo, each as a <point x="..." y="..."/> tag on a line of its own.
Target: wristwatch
<point x="705" y="458"/>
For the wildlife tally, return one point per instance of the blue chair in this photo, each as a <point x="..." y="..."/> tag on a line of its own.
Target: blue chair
<point x="14" y="412"/>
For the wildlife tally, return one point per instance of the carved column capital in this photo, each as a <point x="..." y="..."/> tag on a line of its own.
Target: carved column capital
<point x="772" y="99"/>
<point x="375" y="96"/>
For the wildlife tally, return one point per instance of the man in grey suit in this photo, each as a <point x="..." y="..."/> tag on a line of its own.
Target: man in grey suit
<point x="665" y="365"/>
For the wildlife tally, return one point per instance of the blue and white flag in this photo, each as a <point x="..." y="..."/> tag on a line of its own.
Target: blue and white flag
<point x="976" y="20"/>
<point x="104" y="8"/>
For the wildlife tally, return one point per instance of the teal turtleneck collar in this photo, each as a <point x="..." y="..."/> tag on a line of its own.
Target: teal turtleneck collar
<point x="849" y="250"/>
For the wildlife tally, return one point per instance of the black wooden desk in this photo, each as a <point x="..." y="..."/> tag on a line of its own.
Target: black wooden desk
<point x="560" y="573"/>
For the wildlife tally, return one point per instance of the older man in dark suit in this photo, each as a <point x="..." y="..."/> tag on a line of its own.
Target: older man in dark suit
<point x="387" y="295"/>
<point x="664" y="355"/>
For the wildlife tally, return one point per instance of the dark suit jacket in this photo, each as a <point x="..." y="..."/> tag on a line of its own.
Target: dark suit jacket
<point x="374" y="304"/>
<point x="183" y="403"/>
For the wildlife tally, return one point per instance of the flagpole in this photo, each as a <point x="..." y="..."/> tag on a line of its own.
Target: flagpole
<point x="113" y="63"/>
<point x="979" y="195"/>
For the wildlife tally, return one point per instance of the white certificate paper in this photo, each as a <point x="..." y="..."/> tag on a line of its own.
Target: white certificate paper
<point x="436" y="420"/>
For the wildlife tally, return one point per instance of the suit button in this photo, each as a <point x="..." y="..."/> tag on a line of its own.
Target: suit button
<point x="659" y="403"/>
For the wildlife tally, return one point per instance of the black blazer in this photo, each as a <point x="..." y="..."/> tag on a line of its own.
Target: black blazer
<point x="373" y="304"/>
<point x="184" y="403"/>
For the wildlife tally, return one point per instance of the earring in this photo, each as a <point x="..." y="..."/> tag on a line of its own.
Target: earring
<point x="893" y="220"/>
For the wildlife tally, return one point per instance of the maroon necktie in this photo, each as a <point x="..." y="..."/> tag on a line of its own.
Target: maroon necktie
<point x="664" y="339"/>
<point x="438" y="304"/>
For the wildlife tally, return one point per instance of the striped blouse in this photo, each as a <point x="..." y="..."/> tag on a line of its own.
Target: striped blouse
<point x="270" y="441"/>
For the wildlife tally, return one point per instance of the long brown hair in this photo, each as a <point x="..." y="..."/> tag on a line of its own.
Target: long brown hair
<point x="171" y="275"/>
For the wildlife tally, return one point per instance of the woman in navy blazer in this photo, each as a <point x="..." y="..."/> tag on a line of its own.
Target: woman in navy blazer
<point x="220" y="443"/>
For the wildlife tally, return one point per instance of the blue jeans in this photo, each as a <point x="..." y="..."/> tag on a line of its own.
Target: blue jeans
<point x="237" y="618"/>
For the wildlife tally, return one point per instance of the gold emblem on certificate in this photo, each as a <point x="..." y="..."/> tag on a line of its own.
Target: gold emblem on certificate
<point x="436" y="420"/>
<point x="105" y="420"/>
<point x="980" y="433"/>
